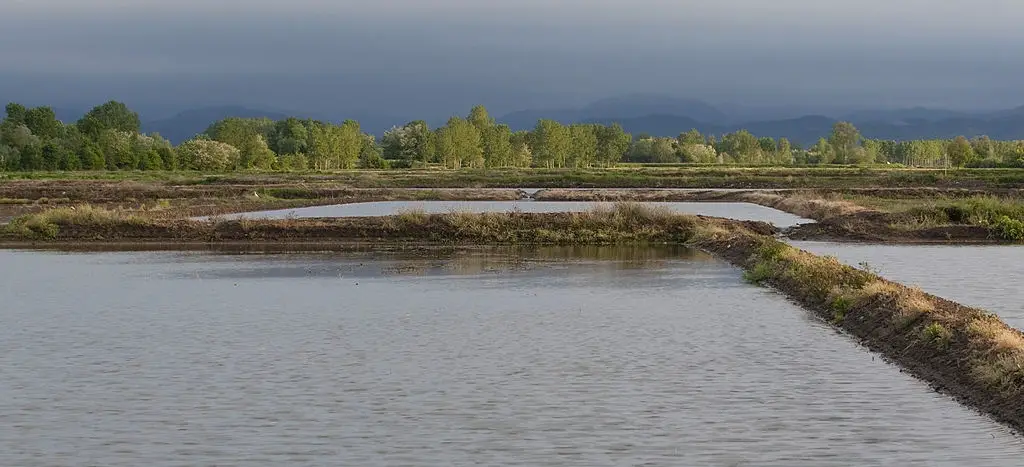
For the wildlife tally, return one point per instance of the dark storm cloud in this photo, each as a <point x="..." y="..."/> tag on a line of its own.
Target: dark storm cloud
<point x="407" y="57"/>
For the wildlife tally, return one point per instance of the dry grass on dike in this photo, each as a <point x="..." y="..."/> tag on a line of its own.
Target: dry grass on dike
<point x="995" y="351"/>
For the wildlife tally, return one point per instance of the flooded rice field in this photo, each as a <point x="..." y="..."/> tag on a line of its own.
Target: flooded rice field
<point x="513" y="356"/>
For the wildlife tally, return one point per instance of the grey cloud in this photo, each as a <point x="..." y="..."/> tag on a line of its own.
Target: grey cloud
<point x="441" y="56"/>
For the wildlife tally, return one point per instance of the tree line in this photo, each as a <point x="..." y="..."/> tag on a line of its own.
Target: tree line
<point x="109" y="137"/>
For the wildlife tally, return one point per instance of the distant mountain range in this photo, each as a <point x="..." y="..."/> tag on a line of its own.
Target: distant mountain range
<point x="655" y="115"/>
<point x="806" y="130"/>
<point x="192" y="122"/>
<point x="636" y="106"/>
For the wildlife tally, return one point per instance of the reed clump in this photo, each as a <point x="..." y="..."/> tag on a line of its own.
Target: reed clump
<point x="47" y="224"/>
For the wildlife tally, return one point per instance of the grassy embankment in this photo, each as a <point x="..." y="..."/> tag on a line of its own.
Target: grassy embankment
<point x="962" y="351"/>
<point x="627" y="223"/>
<point x="927" y="216"/>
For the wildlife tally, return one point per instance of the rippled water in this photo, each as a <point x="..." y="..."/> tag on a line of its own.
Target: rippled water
<point x="981" y="276"/>
<point x="573" y="356"/>
<point x="743" y="211"/>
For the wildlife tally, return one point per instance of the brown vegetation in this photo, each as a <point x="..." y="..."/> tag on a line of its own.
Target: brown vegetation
<point x="616" y="224"/>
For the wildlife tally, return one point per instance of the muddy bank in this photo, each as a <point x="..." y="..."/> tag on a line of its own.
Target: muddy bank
<point x="964" y="352"/>
<point x="863" y="229"/>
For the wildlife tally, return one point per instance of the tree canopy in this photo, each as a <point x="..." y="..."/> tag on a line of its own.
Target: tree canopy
<point x="108" y="137"/>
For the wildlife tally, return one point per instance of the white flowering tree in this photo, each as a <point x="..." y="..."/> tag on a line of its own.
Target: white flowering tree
<point x="205" y="154"/>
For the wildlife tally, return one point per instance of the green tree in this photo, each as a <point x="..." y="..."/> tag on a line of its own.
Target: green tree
<point x="334" y="147"/>
<point x="323" y="146"/>
<point x="249" y="135"/>
<point x="663" y="151"/>
<point x="960" y="151"/>
<point x="522" y="154"/>
<point x="259" y="155"/>
<point x="116" y="147"/>
<point x="550" y="142"/>
<point x="458" y="144"/>
<point x="583" y="145"/>
<point x="290" y="136"/>
<point x="699" y="154"/>
<point x="741" y="146"/>
<point x="92" y="156"/>
<point x="784" y="152"/>
<point x="207" y="154"/>
<point x="350" y="136"/>
<point x="822" y="152"/>
<point x="370" y="155"/>
<point x="641" y="150"/>
<point x="408" y="142"/>
<point x="112" y="115"/>
<point x="69" y="160"/>
<point x="983" y="147"/>
<point x="9" y="158"/>
<point x="20" y="137"/>
<point x="612" y="144"/>
<point x="15" y="114"/>
<point x="168" y="157"/>
<point x="51" y="156"/>
<point x="845" y="139"/>
<point x="479" y="118"/>
<point x="873" y="150"/>
<point x="31" y="157"/>
<point x="691" y="137"/>
<point x="497" y="146"/>
<point x="43" y="123"/>
<point x="768" y="146"/>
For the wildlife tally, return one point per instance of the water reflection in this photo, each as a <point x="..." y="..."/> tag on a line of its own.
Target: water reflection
<point x="252" y="263"/>
<point x="571" y="356"/>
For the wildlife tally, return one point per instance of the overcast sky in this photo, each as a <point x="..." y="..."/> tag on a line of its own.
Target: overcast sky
<point x="404" y="57"/>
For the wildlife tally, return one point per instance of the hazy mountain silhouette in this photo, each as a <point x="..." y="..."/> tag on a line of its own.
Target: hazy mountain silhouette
<point x="806" y="130"/>
<point x="654" y="115"/>
<point x="192" y="122"/>
<point x="621" y="107"/>
<point x="914" y="114"/>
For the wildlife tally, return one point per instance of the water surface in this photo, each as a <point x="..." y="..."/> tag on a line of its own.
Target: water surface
<point x="742" y="211"/>
<point x="544" y="356"/>
<point x="983" y="276"/>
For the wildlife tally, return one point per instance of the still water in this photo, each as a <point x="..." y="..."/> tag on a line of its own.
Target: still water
<point x="545" y="356"/>
<point x="980" y="276"/>
<point x="743" y="211"/>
